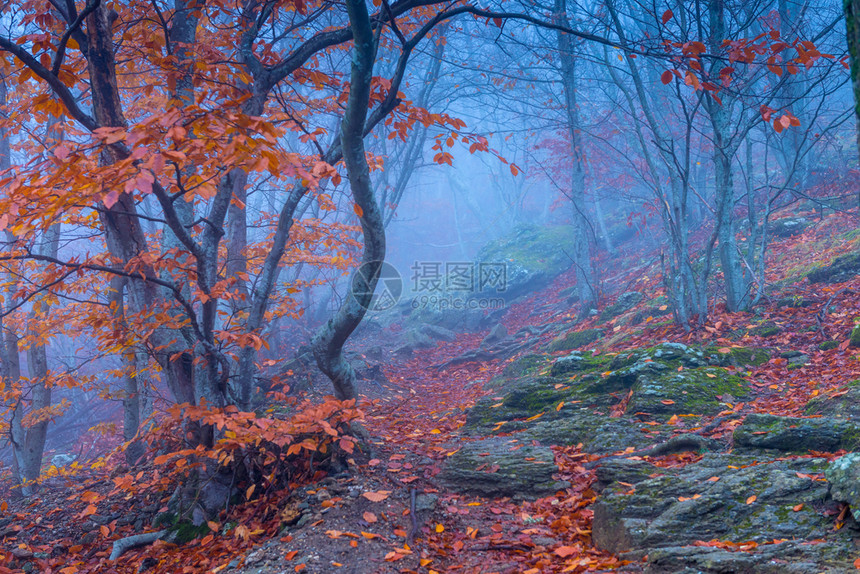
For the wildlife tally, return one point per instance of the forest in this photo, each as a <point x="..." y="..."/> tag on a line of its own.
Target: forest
<point x="423" y="286"/>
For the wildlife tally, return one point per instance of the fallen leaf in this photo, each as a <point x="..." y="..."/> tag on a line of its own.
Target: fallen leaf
<point x="369" y="517"/>
<point x="376" y="496"/>
<point x="751" y="499"/>
<point x="565" y="551"/>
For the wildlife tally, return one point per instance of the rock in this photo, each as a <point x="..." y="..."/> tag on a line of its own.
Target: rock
<point x="690" y="391"/>
<point x="680" y="506"/>
<point x="843" y="404"/>
<point x="502" y="467"/>
<point x="525" y="365"/>
<point x="842" y="268"/>
<point x="787" y="226"/>
<point x="495" y="335"/>
<point x="574" y="339"/>
<point x="843" y="474"/>
<point x="789" y="557"/>
<point x="794" y="358"/>
<point x="854" y="339"/>
<point x="60" y="460"/>
<point x="575" y="362"/>
<point x="828" y="345"/>
<point x="439" y="333"/>
<point x="529" y="259"/>
<point x="793" y="434"/>
<point x="768" y="329"/>
<point x="599" y="434"/>
<point x="621" y="470"/>
<point x="426" y="502"/>
<point x="624" y="303"/>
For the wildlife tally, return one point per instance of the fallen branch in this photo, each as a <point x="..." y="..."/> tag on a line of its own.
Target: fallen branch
<point x="124" y="544"/>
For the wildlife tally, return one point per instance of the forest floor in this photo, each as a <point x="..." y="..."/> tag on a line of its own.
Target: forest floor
<point x="389" y="513"/>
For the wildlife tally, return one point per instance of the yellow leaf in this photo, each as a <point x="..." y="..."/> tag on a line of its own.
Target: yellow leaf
<point x="435" y="431"/>
<point x="440" y="529"/>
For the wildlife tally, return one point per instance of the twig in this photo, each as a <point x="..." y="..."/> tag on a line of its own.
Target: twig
<point x="413" y="530"/>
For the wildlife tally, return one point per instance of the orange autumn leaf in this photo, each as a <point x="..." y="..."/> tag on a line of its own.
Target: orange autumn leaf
<point x="565" y="551"/>
<point x="376" y="496"/>
<point x="369" y="517"/>
<point x="751" y="499"/>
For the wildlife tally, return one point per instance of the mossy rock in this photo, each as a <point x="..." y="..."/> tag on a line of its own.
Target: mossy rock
<point x="577" y="362"/>
<point x="795" y="302"/>
<point x="768" y="329"/>
<point x="854" y="340"/>
<point x="624" y="303"/>
<point x="597" y="433"/>
<point x="741" y="356"/>
<point x="532" y="256"/>
<point x="796" y="435"/>
<point x="524" y="399"/>
<point x="574" y="340"/>
<point x="690" y="391"/>
<point x="828" y="345"/>
<point x="788" y="226"/>
<point x="678" y="507"/>
<point x="842" y="268"/>
<point x="502" y="467"/>
<point x="843" y="474"/>
<point x="525" y="365"/>
<point x="844" y="405"/>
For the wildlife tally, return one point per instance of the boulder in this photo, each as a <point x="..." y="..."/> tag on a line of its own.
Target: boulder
<point x="503" y="467"/>
<point x="844" y="403"/>
<point x="712" y="499"/>
<point x="794" y="434"/>
<point x="624" y="303"/>
<point x="530" y="258"/>
<point x="496" y="334"/>
<point x="574" y="339"/>
<point x="599" y="434"/>
<point x="439" y="333"/>
<point x="787" y="557"/>
<point x="690" y="391"/>
<point x="843" y="474"/>
<point x="787" y="226"/>
<point x="842" y="268"/>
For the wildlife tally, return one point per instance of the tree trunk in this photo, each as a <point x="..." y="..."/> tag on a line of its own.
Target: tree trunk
<point x="585" y="284"/>
<point x="737" y="283"/>
<point x="852" y="25"/>
<point x="329" y="341"/>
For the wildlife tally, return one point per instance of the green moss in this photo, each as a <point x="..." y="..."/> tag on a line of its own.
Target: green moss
<point x="186" y="532"/>
<point x="855" y="336"/>
<point x="574" y="339"/>
<point x="828" y="345"/>
<point x="766" y="330"/>
<point x="748" y="356"/>
<point x="525" y="365"/>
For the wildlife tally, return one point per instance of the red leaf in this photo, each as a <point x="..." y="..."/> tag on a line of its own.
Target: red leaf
<point x="667" y="15"/>
<point x="666" y="77"/>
